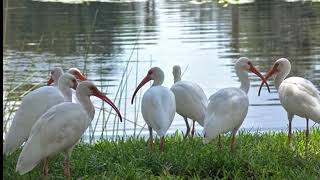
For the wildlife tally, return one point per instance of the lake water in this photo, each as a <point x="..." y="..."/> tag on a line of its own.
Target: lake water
<point x="204" y="38"/>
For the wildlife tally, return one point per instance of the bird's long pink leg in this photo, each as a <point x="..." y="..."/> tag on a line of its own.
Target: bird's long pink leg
<point x="66" y="168"/>
<point x="233" y="139"/>
<point x="192" y="132"/>
<point x="188" y="127"/>
<point x="290" y="117"/>
<point x="307" y="135"/>
<point x="45" y="167"/>
<point x="289" y="133"/>
<point x="219" y="143"/>
<point x="150" y="138"/>
<point x="162" y="144"/>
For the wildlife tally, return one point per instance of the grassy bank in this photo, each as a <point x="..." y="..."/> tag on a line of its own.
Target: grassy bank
<point x="258" y="156"/>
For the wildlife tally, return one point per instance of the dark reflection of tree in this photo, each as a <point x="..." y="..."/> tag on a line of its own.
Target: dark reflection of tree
<point x="66" y="29"/>
<point x="263" y="31"/>
<point x="42" y="34"/>
<point x="274" y="29"/>
<point x="150" y="17"/>
<point x="235" y="29"/>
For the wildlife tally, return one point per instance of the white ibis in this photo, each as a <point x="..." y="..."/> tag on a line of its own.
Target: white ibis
<point x="228" y="107"/>
<point x="297" y="95"/>
<point x="34" y="104"/>
<point x="158" y="105"/>
<point x="60" y="128"/>
<point x="57" y="72"/>
<point x="191" y="101"/>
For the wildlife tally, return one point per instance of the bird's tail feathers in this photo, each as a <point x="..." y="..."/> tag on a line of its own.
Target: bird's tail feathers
<point x="210" y="129"/>
<point x="14" y="139"/>
<point x="29" y="156"/>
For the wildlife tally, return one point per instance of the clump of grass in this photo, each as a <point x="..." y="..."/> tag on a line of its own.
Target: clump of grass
<point x="22" y="90"/>
<point x="257" y="156"/>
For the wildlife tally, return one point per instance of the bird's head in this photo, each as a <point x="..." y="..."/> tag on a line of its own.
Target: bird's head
<point x="77" y="73"/>
<point x="68" y="80"/>
<point x="245" y="64"/>
<point x="55" y="75"/>
<point x="281" y="66"/>
<point x="155" y="74"/>
<point x="176" y="71"/>
<point x="87" y="88"/>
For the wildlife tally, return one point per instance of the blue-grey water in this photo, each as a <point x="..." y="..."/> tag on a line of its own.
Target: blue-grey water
<point x="204" y="38"/>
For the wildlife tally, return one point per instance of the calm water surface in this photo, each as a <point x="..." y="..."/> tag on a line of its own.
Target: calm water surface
<point x="205" y="39"/>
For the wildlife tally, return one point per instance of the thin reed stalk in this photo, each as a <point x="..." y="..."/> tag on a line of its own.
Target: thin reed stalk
<point x="121" y="81"/>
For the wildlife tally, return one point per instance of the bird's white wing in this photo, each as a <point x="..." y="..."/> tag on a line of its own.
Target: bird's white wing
<point x="33" y="105"/>
<point x="202" y="95"/>
<point x="151" y="110"/>
<point x="158" y="108"/>
<point x="195" y="90"/>
<point x="226" y="110"/>
<point x="169" y="105"/>
<point x="56" y="130"/>
<point x="191" y="100"/>
<point x="299" y="96"/>
<point x="304" y="85"/>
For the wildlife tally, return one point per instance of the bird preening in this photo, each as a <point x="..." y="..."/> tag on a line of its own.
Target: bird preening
<point x="50" y="121"/>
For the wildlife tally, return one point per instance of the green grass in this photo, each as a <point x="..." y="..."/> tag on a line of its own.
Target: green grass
<point x="257" y="156"/>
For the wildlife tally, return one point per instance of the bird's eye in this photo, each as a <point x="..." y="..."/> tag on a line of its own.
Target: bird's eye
<point x="249" y="63"/>
<point x="149" y="72"/>
<point x="52" y="72"/>
<point x="74" y="81"/>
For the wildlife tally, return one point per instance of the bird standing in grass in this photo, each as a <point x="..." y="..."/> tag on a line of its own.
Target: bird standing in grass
<point x="59" y="129"/>
<point x="228" y="107"/>
<point x="36" y="103"/>
<point x="158" y="105"/>
<point x="191" y="101"/>
<point x="297" y="95"/>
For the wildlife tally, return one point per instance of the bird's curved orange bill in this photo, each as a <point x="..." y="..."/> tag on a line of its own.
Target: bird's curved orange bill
<point x="255" y="71"/>
<point x="267" y="76"/>
<point x="50" y="81"/>
<point x="99" y="94"/>
<point x="143" y="82"/>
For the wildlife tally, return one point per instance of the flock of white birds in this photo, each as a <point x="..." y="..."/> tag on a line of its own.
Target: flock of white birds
<point x="50" y="121"/>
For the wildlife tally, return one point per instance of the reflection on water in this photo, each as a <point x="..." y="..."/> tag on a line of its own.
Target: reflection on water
<point x="207" y="38"/>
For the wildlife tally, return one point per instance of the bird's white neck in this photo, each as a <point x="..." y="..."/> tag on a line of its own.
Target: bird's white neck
<point x="56" y="77"/>
<point x="65" y="90"/>
<point x="279" y="78"/>
<point x="176" y="77"/>
<point x="159" y="79"/>
<point x="283" y="70"/>
<point x="244" y="80"/>
<point x="86" y="103"/>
